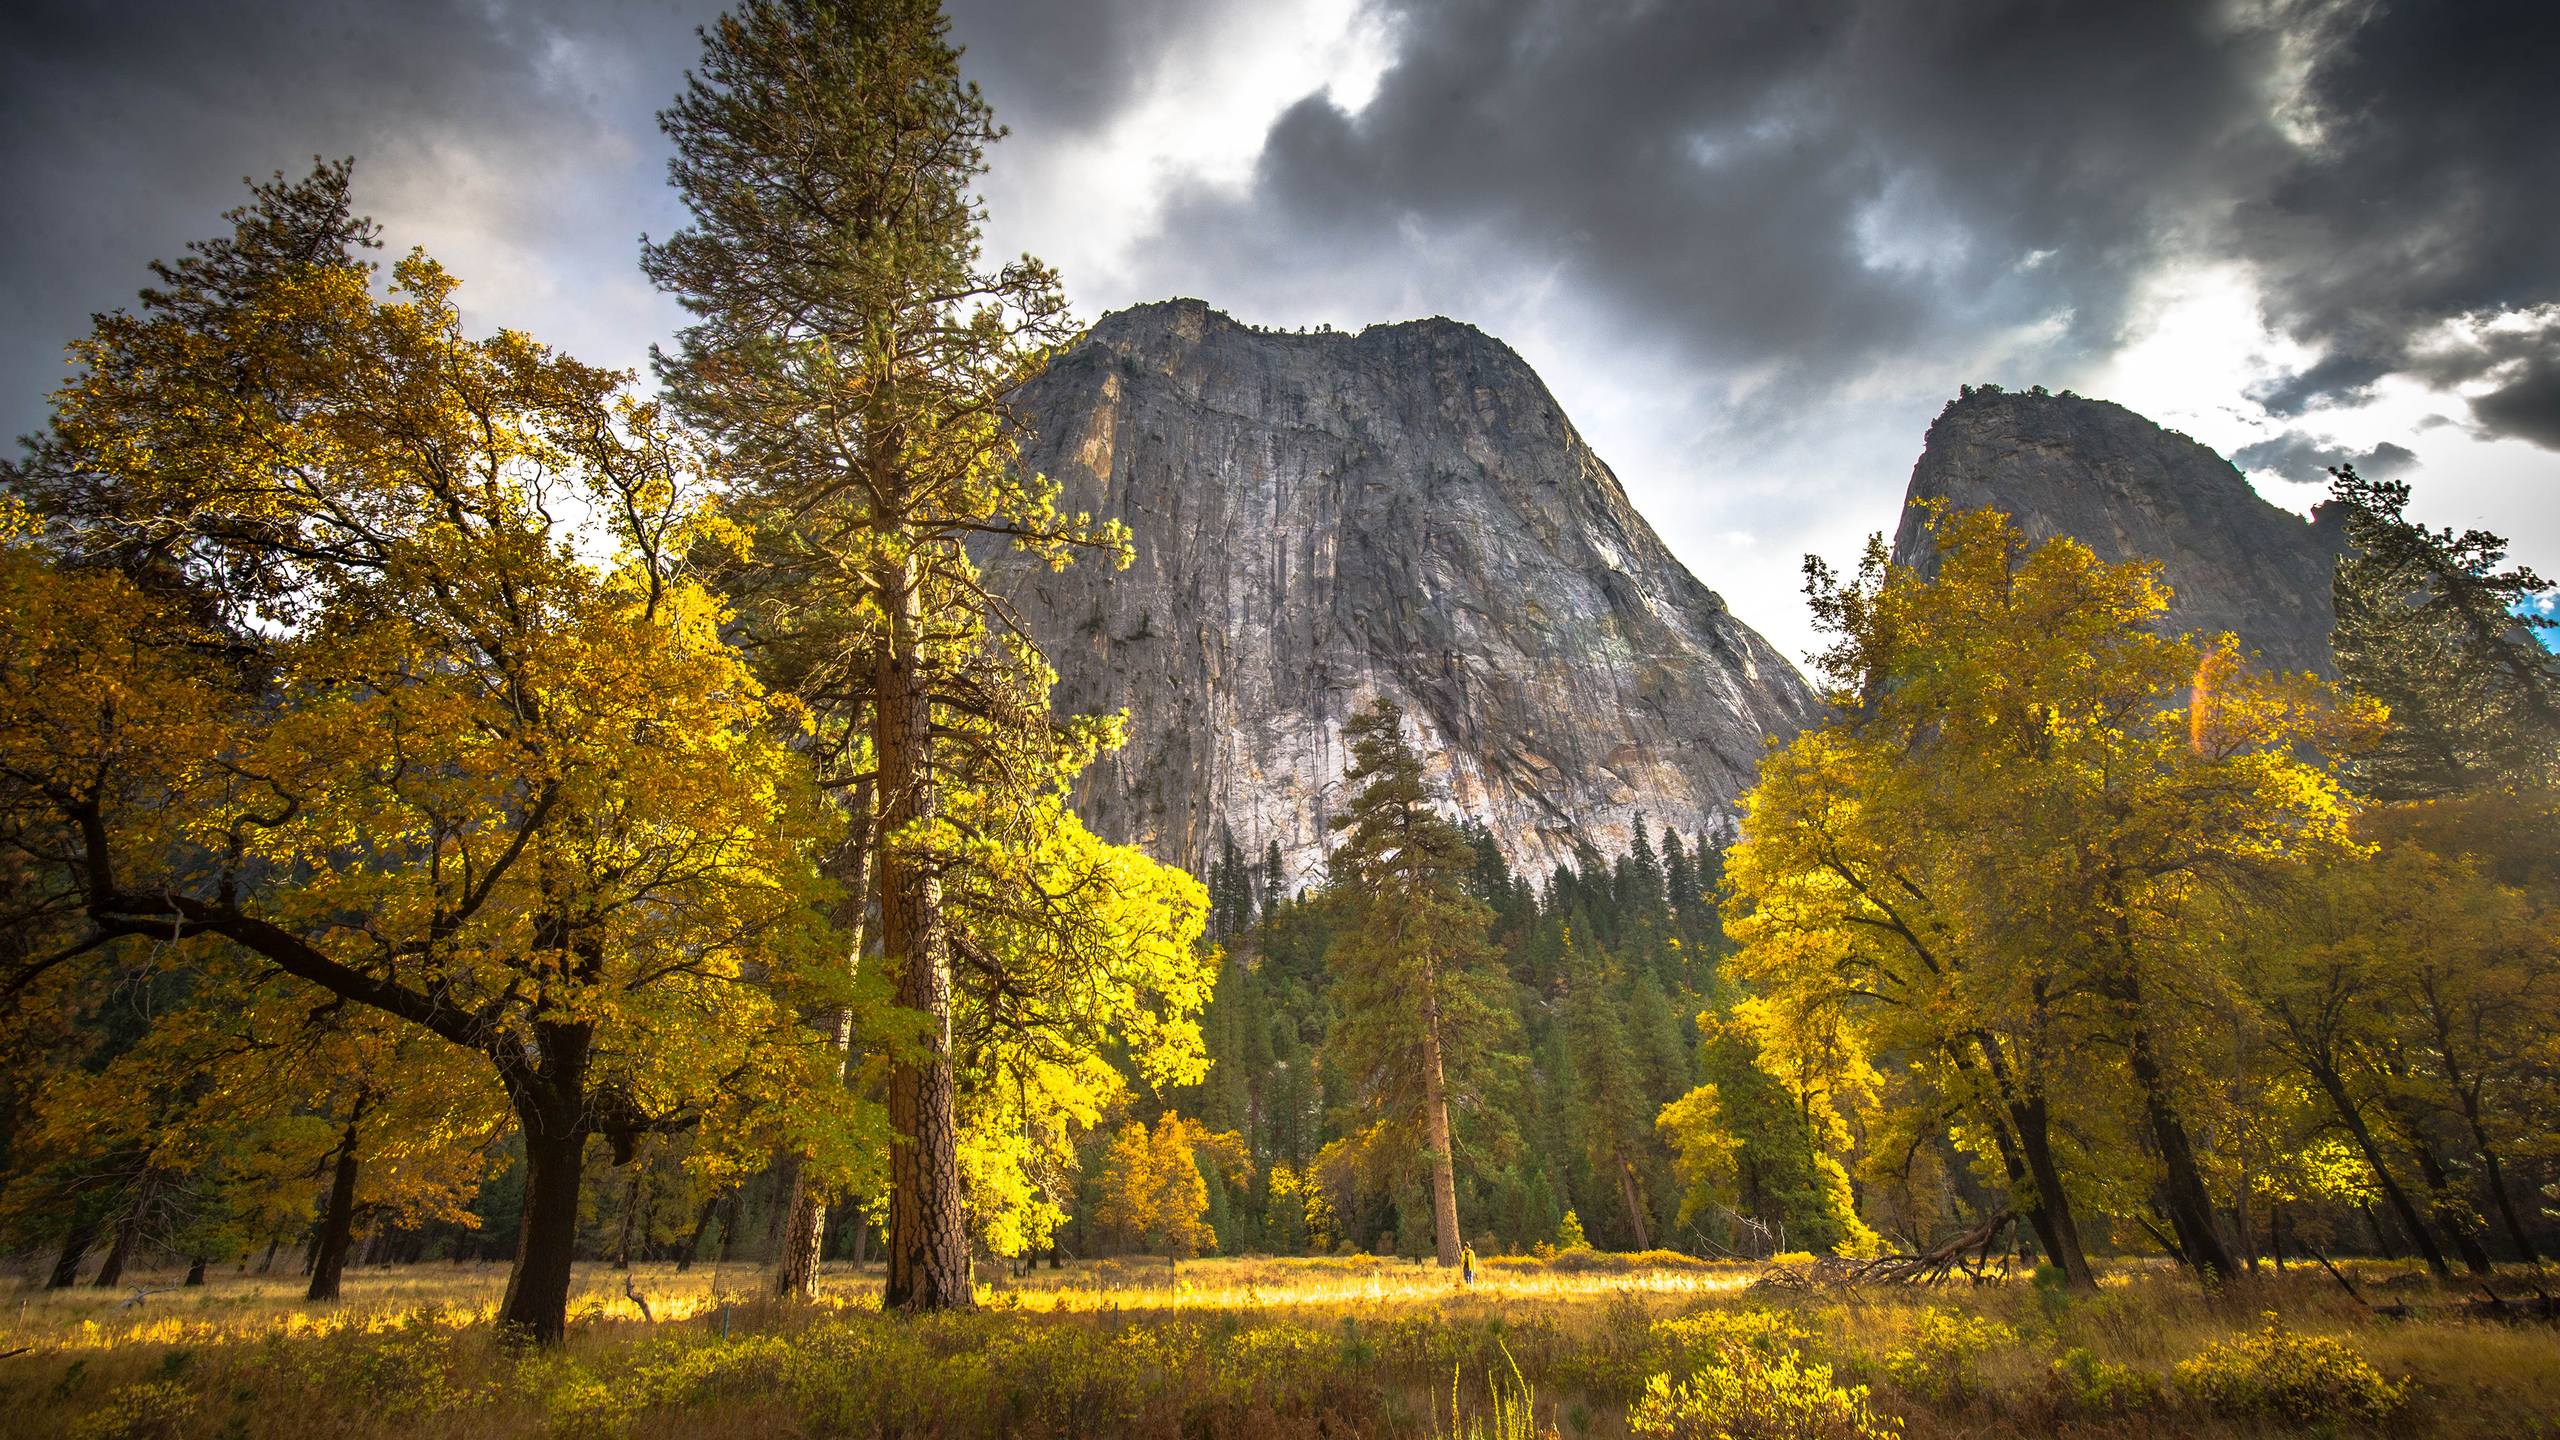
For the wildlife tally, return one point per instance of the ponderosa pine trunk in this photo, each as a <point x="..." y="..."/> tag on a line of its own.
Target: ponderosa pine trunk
<point x="536" y="1306"/>
<point x="928" y="1236"/>
<point x="337" y="1221"/>
<point x="1435" y="1120"/>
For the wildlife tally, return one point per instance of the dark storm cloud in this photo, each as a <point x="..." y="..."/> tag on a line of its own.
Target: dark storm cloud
<point x="1833" y="187"/>
<point x="1050" y="65"/>
<point x="2432" y="192"/>
<point x="129" y="126"/>
<point x="2306" y="460"/>
<point x="127" y="129"/>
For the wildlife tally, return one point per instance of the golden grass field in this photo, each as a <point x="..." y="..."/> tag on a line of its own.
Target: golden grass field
<point x="1274" y="1347"/>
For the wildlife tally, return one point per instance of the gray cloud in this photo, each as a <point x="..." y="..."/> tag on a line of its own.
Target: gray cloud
<point x="2307" y="460"/>
<point x="513" y="139"/>
<point x="1826" y="187"/>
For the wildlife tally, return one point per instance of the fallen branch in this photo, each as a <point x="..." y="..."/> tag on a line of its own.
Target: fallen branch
<point x="1969" y="1252"/>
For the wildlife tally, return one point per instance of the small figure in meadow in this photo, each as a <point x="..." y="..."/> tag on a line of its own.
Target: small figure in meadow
<point x="1467" y="1265"/>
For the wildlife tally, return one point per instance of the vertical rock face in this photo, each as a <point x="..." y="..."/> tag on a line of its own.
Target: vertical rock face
<point x="1323" y="519"/>
<point x="2061" y="465"/>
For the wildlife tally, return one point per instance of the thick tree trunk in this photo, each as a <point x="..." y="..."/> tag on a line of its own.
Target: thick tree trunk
<point x="2182" y="1181"/>
<point x="337" y="1221"/>
<point x="128" y="1233"/>
<point x="928" y="1236"/>
<point x="2029" y="1125"/>
<point x="1435" y="1119"/>
<point x="804" y="1240"/>
<point x="267" y="1262"/>
<point x="75" y="1249"/>
<point x="537" y="1300"/>
<point x="2182" y="1188"/>
<point x="2061" y="1231"/>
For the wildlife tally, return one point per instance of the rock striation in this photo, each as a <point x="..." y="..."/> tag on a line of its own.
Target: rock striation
<point x="2063" y="465"/>
<point x="1321" y="519"/>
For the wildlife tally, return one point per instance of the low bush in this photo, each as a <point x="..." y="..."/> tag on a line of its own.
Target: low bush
<point x="1746" y="1395"/>
<point x="2280" y="1374"/>
<point x="2096" y="1387"/>
<point x="1941" y="1360"/>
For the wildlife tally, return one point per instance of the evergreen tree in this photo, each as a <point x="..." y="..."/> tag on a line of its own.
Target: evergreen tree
<point x="2434" y="629"/>
<point x="1422" y="1006"/>
<point x="853" y="358"/>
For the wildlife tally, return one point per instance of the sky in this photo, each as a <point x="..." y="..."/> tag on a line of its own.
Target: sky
<point x="1752" y="247"/>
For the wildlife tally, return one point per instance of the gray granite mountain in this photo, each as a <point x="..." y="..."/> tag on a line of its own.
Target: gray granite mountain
<point x="1320" y="519"/>
<point x="2063" y="465"/>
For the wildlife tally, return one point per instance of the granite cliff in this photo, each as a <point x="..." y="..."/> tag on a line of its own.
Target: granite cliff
<point x="2063" y="465"/>
<point x="1320" y="519"/>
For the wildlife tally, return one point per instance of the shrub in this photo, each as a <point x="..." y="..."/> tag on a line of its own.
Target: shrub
<point x="1708" y="1334"/>
<point x="2278" y="1374"/>
<point x="149" y="1411"/>
<point x="1943" y="1360"/>
<point x="1745" y="1395"/>
<point x="2102" y="1387"/>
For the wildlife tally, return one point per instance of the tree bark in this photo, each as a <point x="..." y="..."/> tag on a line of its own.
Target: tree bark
<point x="128" y="1232"/>
<point x="2190" y="1208"/>
<point x="2061" y="1231"/>
<point x="1435" y="1119"/>
<point x="2182" y="1189"/>
<point x="536" y="1306"/>
<point x="337" y="1222"/>
<point x="2028" y="1126"/>
<point x="804" y="1239"/>
<point x="928" y="1237"/>
<point x="75" y="1249"/>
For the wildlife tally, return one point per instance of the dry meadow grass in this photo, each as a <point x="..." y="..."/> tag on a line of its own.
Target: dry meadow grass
<point x="1252" y="1347"/>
